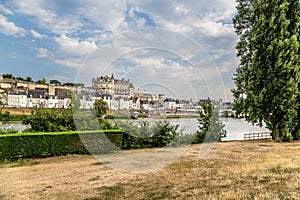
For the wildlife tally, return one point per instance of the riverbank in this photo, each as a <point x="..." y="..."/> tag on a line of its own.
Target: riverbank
<point x="232" y="170"/>
<point x="110" y="115"/>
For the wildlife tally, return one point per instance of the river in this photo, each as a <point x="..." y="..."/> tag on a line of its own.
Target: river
<point x="235" y="128"/>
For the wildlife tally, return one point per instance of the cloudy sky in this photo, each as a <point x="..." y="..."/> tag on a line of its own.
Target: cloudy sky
<point x="182" y="48"/>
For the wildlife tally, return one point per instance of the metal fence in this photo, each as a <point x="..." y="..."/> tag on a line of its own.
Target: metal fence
<point x="258" y="136"/>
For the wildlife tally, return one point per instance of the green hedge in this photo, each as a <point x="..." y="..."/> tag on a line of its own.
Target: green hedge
<point x="24" y="145"/>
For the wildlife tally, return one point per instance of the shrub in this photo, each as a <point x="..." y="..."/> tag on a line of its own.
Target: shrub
<point x="49" y="120"/>
<point x="145" y="136"/>
<point x="4" y="116"/>
<point x="13" y="146"/>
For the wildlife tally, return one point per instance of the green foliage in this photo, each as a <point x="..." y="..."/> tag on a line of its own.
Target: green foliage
<point x="42" y="81"/>
<point x="106" y="124"/>
<point x="143" y="135"/>
<point x="268" y="76"/>
<point x="210" y="126"/>
<point x="8" y="76"/>
<point x="120" y="116"/>
<point x="73" y="84"/>
<point x="18" y="78"/>
<point x="14" y="146"/>
<point x="50" y="120"/>
<point x="100" y="107"/>
<point x="56" y="82"/>
<point x="4" y="116"/>
<point x="29" y="79"/>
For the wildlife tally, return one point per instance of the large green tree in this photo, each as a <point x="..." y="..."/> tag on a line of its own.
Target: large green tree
<point x="267" y="79"/>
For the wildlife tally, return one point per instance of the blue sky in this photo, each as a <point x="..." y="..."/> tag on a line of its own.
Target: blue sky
<point x="183" y="48"/>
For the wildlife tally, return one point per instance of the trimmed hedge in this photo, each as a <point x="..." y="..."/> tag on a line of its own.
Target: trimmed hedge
<point x="24" y="145"/>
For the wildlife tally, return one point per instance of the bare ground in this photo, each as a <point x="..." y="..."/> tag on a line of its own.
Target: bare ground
<point x="232" y="170"/>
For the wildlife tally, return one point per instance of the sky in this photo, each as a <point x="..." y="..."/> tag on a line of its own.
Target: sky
<point x="185" y="49"/>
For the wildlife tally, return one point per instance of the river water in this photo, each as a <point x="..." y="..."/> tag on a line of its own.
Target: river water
<point x="235" y="128"/>
<point x="14" y="125"/>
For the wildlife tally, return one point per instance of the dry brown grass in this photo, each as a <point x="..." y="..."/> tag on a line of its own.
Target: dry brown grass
<point x="232" y="170"/>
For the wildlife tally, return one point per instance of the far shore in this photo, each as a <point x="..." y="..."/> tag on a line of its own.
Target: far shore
<point x="27" y="111"/>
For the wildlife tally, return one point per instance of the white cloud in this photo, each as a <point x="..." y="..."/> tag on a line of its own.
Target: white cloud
<point x="9" y="28"/>
<point x="214" y="29"/>
<point x="37" y="35"/>
<point x="35" y="8"/>
<point x="108" y="15"/>
<point x="42" y="53"/>
<point x="70" y="18"/>
<point x="70" y="62"/>
<point x="5" y="10"/>
<point x="44" y="14"/>
<point x="75" y="47"/>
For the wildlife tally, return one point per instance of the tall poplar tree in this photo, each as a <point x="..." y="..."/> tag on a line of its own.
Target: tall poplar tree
<point x="267" y="79"/>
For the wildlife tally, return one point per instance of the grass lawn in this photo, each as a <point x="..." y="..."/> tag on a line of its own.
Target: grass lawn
<point x="232" y="170"/>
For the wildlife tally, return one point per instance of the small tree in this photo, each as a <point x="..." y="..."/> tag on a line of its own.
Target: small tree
<point x="28" y="79"/>
<point x="210" y="126"/>
<point x="101" y="107"/>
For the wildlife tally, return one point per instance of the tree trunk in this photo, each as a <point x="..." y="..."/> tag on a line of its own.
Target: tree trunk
<point x="276" y="134"/>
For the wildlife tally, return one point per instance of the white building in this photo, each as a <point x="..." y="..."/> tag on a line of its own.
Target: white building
<point x="35" y="102"/>
<point x="108" y="99"/>
<point x="87" y="103"/>
<point x="52" y="102"/>
<point x="121" y="103"/>
<point x="17" y="100"/>
<point x="170" y="104"/>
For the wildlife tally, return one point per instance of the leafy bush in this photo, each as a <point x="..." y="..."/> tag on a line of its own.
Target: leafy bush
<point x="145" y="136"/>
<point x="13" y="146"/>
<point x="4" y="116"/>
<point x="49" y="120"/>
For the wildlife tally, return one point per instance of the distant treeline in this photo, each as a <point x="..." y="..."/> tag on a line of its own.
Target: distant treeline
<point x="42" y="81"/>
<point x="6" y="116"/>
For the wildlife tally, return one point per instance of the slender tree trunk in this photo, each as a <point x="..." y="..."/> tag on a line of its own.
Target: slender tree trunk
<point x="276" y="134"/>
